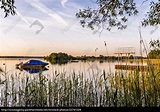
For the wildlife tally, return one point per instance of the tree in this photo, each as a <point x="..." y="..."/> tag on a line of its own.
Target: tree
<point x="155" y="49"/>
<point x="153" y="16"/>
<point x="60" y="58"/>
<point x="115" y="13"/>
<point x="154" y="54"/>
<point x="155" y="44"/>
<point x="8" y="7"/>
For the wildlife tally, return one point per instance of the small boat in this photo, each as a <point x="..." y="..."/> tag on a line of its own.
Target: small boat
<point x="32" y="64"/>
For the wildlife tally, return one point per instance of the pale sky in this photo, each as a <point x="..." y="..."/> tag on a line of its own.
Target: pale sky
<point x="62" y="31"/>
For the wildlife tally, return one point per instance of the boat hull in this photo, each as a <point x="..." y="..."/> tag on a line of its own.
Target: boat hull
<point x="32" y="66"/>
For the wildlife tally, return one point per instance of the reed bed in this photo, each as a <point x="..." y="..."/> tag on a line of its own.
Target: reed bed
<point x="119" y="89"/>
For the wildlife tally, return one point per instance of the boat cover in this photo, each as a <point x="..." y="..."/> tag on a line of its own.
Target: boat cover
<point x="35" y="62"/>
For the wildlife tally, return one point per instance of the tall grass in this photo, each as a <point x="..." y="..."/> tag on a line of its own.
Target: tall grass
<point x="131" y="89"/>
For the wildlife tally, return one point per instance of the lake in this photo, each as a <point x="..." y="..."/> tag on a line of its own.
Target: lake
<point x="87" y="67"/>
<point x="81" y="66"/>
<point x="18" y="87"/>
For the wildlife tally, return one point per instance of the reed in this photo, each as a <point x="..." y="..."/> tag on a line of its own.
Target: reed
<point x="119" y="89"/>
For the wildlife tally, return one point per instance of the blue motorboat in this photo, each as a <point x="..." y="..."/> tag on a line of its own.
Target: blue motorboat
<point x="32" y="64"/>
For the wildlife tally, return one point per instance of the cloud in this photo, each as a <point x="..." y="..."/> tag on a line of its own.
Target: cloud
<point x="63" y="2"/>
<point x="49" y="12"/>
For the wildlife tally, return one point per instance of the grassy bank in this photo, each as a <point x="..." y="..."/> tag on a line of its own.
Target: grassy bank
<point x="131" y="89"/>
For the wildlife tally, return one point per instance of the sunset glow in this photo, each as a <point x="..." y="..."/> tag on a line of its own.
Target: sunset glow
<point x="62" y="31"/>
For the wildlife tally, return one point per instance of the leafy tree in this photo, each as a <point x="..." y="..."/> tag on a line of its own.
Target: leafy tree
<point x="108" y="14"/>
<point x="60" y="58"/>
<point x="155" y="44"/>
<point x="154" y="54"/>
<point x="8" y="7"/>
<point x="155" y="49"/>
<point x="115" y="13"/>
<point x="153" y="16"/>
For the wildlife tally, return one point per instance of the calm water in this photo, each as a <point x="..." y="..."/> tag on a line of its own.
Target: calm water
<point x="90" y="70"/>
<point x="88" y="67"/>
<point x="77" y="66"/>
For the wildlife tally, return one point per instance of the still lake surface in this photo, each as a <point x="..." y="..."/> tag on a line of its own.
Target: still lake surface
<point x="16" y="78"/>
<point x="79" y="66"/>
<point x="87" y="67"/>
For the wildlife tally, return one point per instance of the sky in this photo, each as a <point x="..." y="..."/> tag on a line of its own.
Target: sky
<point x="59" y="30"/>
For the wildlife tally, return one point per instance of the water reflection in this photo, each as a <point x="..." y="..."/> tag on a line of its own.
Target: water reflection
<point x="32" y="70"/>
<point x="59" y="62"/>
<point x="78" y="66"/>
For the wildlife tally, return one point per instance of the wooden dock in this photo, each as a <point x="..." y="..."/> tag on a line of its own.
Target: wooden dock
<point x="132" y="67"/>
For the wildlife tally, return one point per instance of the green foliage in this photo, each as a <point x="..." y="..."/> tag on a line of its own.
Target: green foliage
<point x="154" y="54"/>
<point x="63" y="58"/>
<point x="60" y="58"/>
<point x="8" y="7"/>
<point x="108" y="14"/>
<point x="116" y="13"/>
<point x="155" y="44"/>
<point x="153" y="16"/>
<point x="155" y="49"/>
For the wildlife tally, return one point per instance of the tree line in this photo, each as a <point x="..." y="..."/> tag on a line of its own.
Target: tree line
<point x="63" y="58"/>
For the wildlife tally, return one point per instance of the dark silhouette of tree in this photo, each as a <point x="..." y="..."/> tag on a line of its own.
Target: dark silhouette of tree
<point x="155" y="49"/>
<point x="153" y="16"/>
<point x="8" y="7"/>
<point x="110" y="13"/>
<point x="115" y="13"/>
